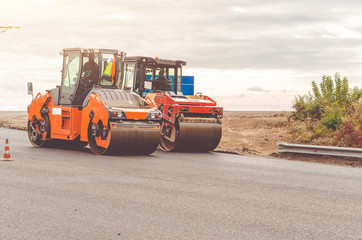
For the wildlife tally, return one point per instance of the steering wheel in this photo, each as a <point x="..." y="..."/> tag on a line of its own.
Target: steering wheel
<point x="88" y="83"/>
<point x="83" y="83"/>
<point x="198" y="94"/>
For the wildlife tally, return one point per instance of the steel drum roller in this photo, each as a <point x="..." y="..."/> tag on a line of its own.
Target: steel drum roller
<point x="195" y="137"/>
<point x="129" y="140"/>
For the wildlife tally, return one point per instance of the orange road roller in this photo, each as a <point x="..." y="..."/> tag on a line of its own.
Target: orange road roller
<point x="89" y="108"/>
<point x="189" y="123"/>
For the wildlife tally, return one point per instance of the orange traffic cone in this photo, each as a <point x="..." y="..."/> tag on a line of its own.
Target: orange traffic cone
<point x="6" y="156"/>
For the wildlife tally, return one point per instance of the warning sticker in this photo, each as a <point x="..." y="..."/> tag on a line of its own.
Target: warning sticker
<point x="57" y="111"/>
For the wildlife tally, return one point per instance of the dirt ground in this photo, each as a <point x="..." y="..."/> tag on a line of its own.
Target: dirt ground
<point x="254" y="133"/>
<point x="14" y="119"/>
<point x="245" y="133"/>
<point x="257" y="133"/>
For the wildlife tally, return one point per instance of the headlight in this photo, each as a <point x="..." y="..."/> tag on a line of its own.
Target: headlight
<point x="154" y="115"/>
<point x="117" y="114"/>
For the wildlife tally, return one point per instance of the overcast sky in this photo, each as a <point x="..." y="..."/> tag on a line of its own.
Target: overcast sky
<point x="246" y="54"/>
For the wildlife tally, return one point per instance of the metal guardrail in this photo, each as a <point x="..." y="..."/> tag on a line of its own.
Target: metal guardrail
<point x="319" y="150"/>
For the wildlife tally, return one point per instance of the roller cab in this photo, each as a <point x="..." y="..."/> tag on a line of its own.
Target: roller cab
<point x="89" y="108"/>
<point x="190" y="123"/>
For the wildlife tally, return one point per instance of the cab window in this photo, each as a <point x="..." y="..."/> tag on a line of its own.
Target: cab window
<point x="129" y="76"/>
<point x="71" y="68"/>
<point x="90" y="72"/>
<point x="179" y="80"/>
<point x="147" y="85"/>
<point x="108" y="70"/>
<point x="120" y="73"/>
<point x="161" y="81"/>
<point x="171" y="76"/>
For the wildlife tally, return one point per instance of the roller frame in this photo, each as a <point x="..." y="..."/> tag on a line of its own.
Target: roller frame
<point x="147" y="133"/>
<point x="191" y="134"/>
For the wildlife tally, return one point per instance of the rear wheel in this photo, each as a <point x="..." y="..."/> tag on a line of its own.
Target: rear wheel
<point x="167" y="145"/>
<point x="92" y="141"/>
<point x="35" y="134"/>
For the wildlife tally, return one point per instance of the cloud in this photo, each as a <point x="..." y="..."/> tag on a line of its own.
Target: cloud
<point x="240" y="44"/>
<point x="256" y="89"/>
<point x="265" y="35"/>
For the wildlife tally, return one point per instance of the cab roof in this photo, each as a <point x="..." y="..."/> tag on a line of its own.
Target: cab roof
<point x="156" y="61"/>
<point x="94" y="50"/>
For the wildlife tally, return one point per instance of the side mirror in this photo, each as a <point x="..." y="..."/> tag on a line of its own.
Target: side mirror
<point x="30" y="88"/>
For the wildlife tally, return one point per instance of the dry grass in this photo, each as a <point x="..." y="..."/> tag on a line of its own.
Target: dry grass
<point x="258" y="135"/>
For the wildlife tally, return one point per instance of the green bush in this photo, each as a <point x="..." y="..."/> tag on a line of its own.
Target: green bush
<point x="326" y="101"/>
<point x="332" y="110"/>
<point x="332" y="118"/>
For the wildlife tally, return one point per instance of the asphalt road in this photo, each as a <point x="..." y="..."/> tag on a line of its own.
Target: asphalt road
<point x="64" y="194"/>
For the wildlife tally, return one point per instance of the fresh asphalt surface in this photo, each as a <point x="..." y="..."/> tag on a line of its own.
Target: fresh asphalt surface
<point x="65" y="194"/>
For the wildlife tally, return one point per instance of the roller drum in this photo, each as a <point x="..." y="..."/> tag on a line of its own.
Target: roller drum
<point x="134" y="141"/>
<point x="129" y="140"/>
<point x="195" y="137"/>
